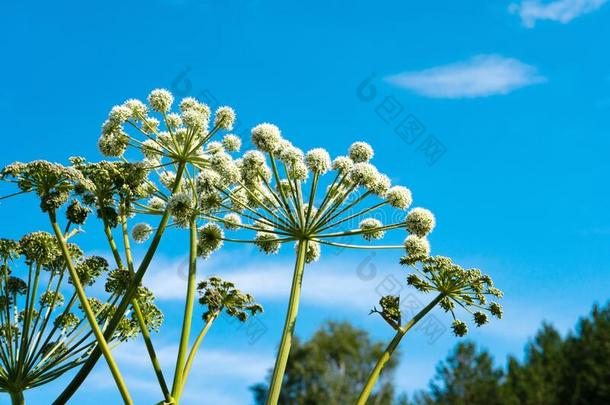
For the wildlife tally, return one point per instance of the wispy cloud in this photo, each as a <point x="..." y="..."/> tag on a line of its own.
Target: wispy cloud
<point x="214" y="372"/>
<point x="562" y="11"/>
<point x="325" y="284"/>
<point x="480" y="76"/>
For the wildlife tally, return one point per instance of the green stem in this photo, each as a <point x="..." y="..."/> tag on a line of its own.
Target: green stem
<point x="136" y="306"/>
<point x="385" y="357"/>
<point x="99" y="336"/>
<point x="17" y="398"/>
<point x="191" y="357"/>
<point x="79" y="378"/>
<point x="289" y="324"/>
<point x="188" y="311"/>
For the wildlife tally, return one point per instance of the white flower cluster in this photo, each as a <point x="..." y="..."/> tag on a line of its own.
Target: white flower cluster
<point x="141" y="232"/>
<point x="266" y="137"/>
<point x="210" y="239"/>
<point x="371" y="226"/>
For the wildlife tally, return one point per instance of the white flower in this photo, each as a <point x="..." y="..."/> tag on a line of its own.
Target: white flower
<point x="266" y="137"/>
<point x="156" y="203"/>
<point x="189" y="103"/>
<point x="420" y="222"/>
<point x="137" y="108"/>
<point x="160" y="100"/>
<point x="231" y="143"/>
<point x="318" y="160"/>
<point x="252" y="166"/>
<point x="214" y="147"/>
<point x="267" y="242"/>
<point x="194" y="119"/>
<point x="150" y="125"/>
<point x="399" y="197"/>
<point x="173" y="120"/>
<point x="207" y="181"/>
<point x="119" y="114"/>
<point x="342" y="164"/>
<point x="312" y="254"/>
<point x="371" y="227"/>
<point x="151" y="149"/>
<point x="381" y="185"/>
<point x="360" y="152"/>
<point x="232" y="221"/>
<point x="225" y="166"/>
<point x="288" y="153"/>
<point x="417" y="248"/>
<point x="298" y="171"/>
<point x="364" y="174"/>
<point x="210" y="239"/>
<point x="113" y="144"/>
<point x="225" y="118"/>
<point x="141" y="232"/>
<point x="180" y="206"/>
<point x="167" y="178"/>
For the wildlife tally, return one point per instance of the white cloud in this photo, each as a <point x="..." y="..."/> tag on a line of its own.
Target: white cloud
<point x="480" y="76"/>
<point x="562" y="11"/>
<point x="328" y="284"/>
<point x="214" y="371"/>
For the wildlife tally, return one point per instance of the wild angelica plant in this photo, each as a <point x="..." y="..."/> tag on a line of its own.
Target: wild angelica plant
<point x="43" y="333"/>
<point x="174" y="151"/>
<point x="276" y="193"/>
<point x="465" y="288"/>
<point x="187" y="180"/>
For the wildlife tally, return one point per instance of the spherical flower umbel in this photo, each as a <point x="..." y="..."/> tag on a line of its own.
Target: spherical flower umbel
<point x="119" y="114"/>
<point x="342" y="164"/>
<point x="267" y="242"/>
<point x="312" y="254"/>
<point x="381" y="185"/>
<point x="420" y="221"/>
<point x="156" y="203"/>
<point x="232" y="221"/>
<point x="224" y="118"/>
<point x="210" y="239"/>
<point x="141" y="232"/>
<point x="194" y="119"/>
<point x="266" y="137"/>
<point x="364" y="174"/>
<point x="190" y="103"/>
<point x="160" y="100"/>
<point x="417" y="248"/>
<point x="399" y="197"/>
<point x="137" y="109"/>
<point x="361" y="152"/>
<point x="180" y="206"/>
<point x="371" y="226"/>
<point x="318" y="160"/>
<point x="231" y="143"/>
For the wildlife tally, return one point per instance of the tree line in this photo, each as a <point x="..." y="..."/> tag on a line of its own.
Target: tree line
<point x="572" y="369"/>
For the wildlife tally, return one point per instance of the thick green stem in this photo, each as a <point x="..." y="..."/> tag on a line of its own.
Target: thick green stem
<point x="193" y="353"/>
<point x="79" y="378"/>
<point x="188" y="311"/>
<point x="289" y="325"/>
<point x="385" y="357"/>
<point x="102" y="344"/>
<point x="17" y="398"/>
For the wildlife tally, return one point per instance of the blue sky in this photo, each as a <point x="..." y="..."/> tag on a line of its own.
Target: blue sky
<point x="512" y="95"/>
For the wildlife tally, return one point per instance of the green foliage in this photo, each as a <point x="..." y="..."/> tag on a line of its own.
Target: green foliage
<point x="467" y="377"/>
<point x="331" y="368"/>
<point x="574" y="370"/>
